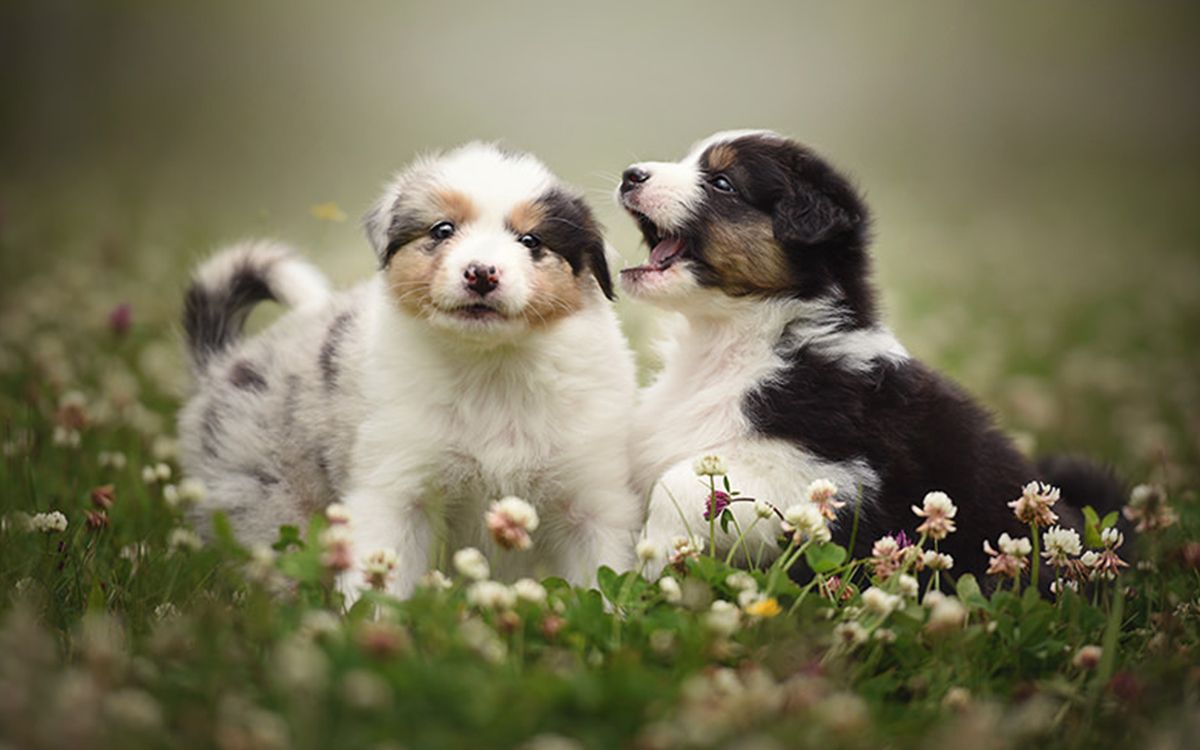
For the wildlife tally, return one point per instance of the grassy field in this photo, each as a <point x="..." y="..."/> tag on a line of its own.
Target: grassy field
<point x="124" y="629"/>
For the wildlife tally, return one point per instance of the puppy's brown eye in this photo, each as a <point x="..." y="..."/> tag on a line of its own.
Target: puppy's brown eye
<point x="443" y="230"/>
<point x="531" y="241"/>
<point x="722" y="183"/>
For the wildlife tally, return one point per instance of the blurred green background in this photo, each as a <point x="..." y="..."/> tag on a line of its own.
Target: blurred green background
<point x="1034" y="167"/>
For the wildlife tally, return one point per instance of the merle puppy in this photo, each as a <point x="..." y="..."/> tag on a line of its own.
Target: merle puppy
<point x="781" y="364"/>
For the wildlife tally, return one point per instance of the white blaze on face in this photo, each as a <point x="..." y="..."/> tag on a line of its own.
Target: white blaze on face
<point x="486" y="243"/>
<point x="670" y="196"/>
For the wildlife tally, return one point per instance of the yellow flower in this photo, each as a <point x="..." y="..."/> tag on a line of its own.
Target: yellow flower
<point x="328" y="212"/>
<point x="764" y="608"/>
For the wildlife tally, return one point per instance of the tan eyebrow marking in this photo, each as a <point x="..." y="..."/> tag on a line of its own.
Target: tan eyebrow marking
<point x="526" y="216"/>
<point x="721" y="157"/>
<point x="454" y="206"/>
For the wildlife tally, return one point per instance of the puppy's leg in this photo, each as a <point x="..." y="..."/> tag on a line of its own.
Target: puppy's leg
<point x="595" y="528"/>
<point x="767" y="470"/>
<point x="387" y="518"/>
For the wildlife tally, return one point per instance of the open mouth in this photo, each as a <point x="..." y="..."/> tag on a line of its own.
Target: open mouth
<point x="665" y="248"/>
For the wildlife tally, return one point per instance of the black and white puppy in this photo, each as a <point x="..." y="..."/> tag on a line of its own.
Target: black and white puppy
<point x="781" y="364"/>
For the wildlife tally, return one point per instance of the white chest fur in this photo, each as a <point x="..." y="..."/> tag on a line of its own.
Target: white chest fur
<point x="695" y="404"/>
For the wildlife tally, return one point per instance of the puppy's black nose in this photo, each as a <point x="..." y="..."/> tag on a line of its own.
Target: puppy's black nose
<point x="481" y="279"/>
<point x="633" y="177"/>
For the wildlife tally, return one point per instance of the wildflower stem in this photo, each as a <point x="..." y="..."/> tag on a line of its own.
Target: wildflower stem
<point x="741" y="537"/>
<point x="712" y="516"/>
<point x="1037" y="552"/>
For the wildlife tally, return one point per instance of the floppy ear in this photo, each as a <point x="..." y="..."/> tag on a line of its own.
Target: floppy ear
<point x="807" y="216"/>
<point x="374" y="224"/>
<point x="598" y="265"/>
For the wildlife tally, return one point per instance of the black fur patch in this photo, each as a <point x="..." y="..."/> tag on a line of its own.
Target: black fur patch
<point x="918" y="431"/>
<point x="212" y="318"/>
<point x="244" y="376"/>
<point x="569" y="229"/>
<point x="327" y="360"/>
<point x="404" y="227"/>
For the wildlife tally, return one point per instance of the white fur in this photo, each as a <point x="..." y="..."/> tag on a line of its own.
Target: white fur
<point x="694" y="407"/>
<point x="432" y="418"/>
<point x="296" y="282"/>
<point x="544" y="419"/>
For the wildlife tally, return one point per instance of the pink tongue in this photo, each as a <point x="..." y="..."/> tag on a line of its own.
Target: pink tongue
<point x="664" y="251"/>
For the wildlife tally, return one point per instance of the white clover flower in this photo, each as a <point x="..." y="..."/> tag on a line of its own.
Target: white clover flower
<point x="149" y="475"/>
<point x="1060" y="587"/>
<point x="470" y="563"/>
<point x="850" y="633"/>
<point x="379" y="568"/>
<point x="821" y="493"/>
<point x="1112" y="538"/>
<point x="938" y="510"/>
<point x="436" y="580"/>
<point x="482" y="640"/>
<point x="709" y="466"/>
<point x="510" y="521"/>
<point x="337" y="514"/>
<point x="65" y="437"/>
<point x="957" y="698"/>
<point x="820" y="490"/>
<point x="937" y="560"/>
<point x="932" y="597"/>
<point x="1087" y="657"/>
<point x="491" y="595"/>
<point x="880" y="602"/>
<point x="1033" y="506"/>
<point x="17" y="521"/>
<point x="884" y="635"/>
<point x="318" y="623"/>
<point x="192" y="491"/>
<point x="365" y="690"/>
<point x="1060" y="545"/>
<point x="111" y="459"/>
<point x="648" y="551"/>
<point x="48" y="523"/>
<point x="909" y="586"/>
<point x="162" y="472"/>
<point x="338" y="554"/>
<point x="683" y="547"/>
<point x="948" y="613"/>
<point x="299" y="665"/>
<point x="805" y="521"/>
<point x="530" y="590"/>
<point x="749" y="597"/>
<point x="723" y="618"/>
<point x="763" y="509"/>
<point x="1019" y="547"/>
<point x="1089" y="558"/>
<point x="670" y="590"/>
<point x="184" y="540"/>
<point x="741" y="581"/>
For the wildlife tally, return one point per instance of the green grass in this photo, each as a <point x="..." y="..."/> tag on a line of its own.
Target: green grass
<point x="110" y="637"/>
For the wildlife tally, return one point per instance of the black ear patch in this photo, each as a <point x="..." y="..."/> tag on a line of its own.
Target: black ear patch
<point x="809" y="218"/>
<point x="570" y="230"/>
<point x="818" y="205"/>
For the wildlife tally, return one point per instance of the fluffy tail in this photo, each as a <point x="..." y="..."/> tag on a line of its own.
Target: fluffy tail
<point x="227" y="286"/>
